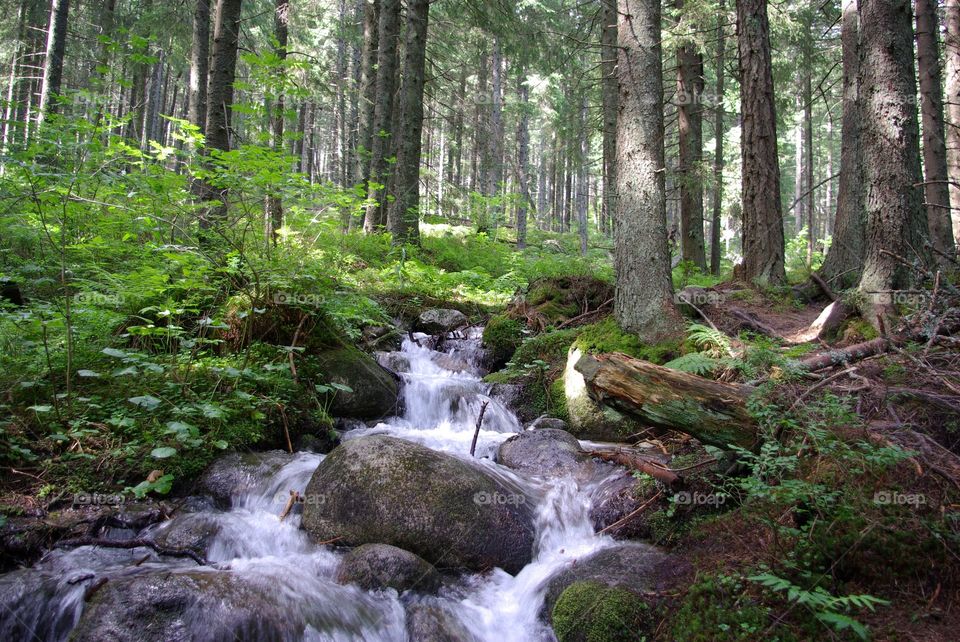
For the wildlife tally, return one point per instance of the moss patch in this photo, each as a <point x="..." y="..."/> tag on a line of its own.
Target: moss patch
<point x="593" y="612"/>
<point x="606" y="336"/>
<point x="718" y="608"/>
<point x="502" y="336"/>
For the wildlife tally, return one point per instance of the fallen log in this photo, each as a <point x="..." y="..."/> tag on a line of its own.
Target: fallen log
<point x="856" y="352"/>
<point x="713" y="412"/>
<point x="633" y="461"/>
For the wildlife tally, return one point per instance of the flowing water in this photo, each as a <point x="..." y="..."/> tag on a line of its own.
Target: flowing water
<point x="443" y="395"/>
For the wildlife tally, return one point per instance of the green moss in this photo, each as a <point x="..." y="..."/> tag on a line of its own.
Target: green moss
<point x="502" y="336"/>
<point x="606" y="336"/>
<point x="593" y="612"/>
<point x="557" y="400"/>
<point x="858" y="330"/>
<point x="550" y="347"/>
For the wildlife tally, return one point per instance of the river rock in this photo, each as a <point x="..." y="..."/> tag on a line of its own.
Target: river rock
<point x="637" y="567"/>
<point x="380" y="566"/>
<point x="544" y="421"/>
<point x="449" y="511"/>
<point x="236" y="474"/>
<point x="613" y="500"/>
<point x="546" y="451"/>
<point x="194" y="531"/>
<point x="433" y="623"/>
<point x="440" y="321"/>
<point x="373" y="390"/>
<point x="589" y="419"/>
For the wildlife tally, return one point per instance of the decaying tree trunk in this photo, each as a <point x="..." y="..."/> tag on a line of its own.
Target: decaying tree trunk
<point x="711" y="411"/>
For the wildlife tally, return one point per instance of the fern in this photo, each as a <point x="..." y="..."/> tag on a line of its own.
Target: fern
<point x="710" y="341"/>
<point x="697" y="363"/>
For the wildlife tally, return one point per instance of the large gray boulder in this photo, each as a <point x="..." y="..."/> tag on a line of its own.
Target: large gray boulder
<point x="544" y="452"/>
<point x="372" y="390"/>
<point x="449" y="511"/>
<point x="440" y="321"/>
<point x="380" y="566"/>
<point x="434" y="623"/>
<point x="207" y="605"/>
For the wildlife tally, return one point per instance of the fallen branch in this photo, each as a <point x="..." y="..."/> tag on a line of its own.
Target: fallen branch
<point x="294" y="498"/>
<point x="584" y="315"/>
<point x="136" y="542"/>
<point x="637" y="462"/>
<point x="476" y="432"/>
<point x="633" y="514"/>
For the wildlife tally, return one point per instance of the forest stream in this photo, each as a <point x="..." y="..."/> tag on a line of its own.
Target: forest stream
<point x="286" y="585"/>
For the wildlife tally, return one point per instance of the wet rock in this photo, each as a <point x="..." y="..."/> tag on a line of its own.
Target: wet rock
<point x="440" y="321"/>
<point x="345" y="424"/>
<point x="373" y="390"/>
<point x="546" y="451"/>
<point x="393" y="361"/>
<point x="433" y="623"/>
<point x="613" y="500"/>
<point x="236" y="474"/>
<point x="544" y="421"/>
<point x="380" y="566"/>
<point x="193" y="531"/>
<point x="637" y="567"/>
<point x="451" y="512"/>
<point x="381" y="337"/>
<point x="589" y="419"/>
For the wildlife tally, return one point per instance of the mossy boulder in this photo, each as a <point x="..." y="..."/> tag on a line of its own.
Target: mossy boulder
<point x="434" y="623"/>
<point x="451" y="512"/>
<point x="637" y="568"/>
<point x="592" y="612"/>
<point x="381" y="566"/>
<point x="373" y="391"/>
<point x="587" y="418"/>
<point x="553" y="300"/>
<point x="502" y="336"/>
<point x="544" y="452"/>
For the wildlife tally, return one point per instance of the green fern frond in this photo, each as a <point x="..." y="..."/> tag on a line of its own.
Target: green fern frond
<point x="697" y="363"/>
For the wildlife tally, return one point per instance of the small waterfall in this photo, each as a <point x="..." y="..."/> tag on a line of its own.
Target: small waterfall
<point x="275" y="562"/>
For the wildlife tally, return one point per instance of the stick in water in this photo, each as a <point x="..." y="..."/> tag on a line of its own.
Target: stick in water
<point x="476" y="433"/>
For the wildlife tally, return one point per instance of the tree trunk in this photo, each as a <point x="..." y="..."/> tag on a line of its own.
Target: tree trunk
<point x="936" y="189"/>
<point x="718" y="132"/>
<point x="17" y="62"/>
<point x="368" y="89"/>
<point x="523" y="159"/>
<point x="389" y="31"/>
<point x="608" y="66"/>
<point x="644" y="291"/>
<point x="713" y="412"/>
<point x="896" y="222"/>
<point x="951" y="55"/>
<point x="495" y="141"/>
<point x="405" y="212"/>
<point x="223" y="69"/>
<point x="199" y="66"/>
<point x="690" y="124"/>
<point x="274" y="213"/>
<point x="762" y="216"/>
<point x="583" y="186"/>
<point x="808" y="190"/>
<point x="53" y="62"/>
<point x="844" y="260"/>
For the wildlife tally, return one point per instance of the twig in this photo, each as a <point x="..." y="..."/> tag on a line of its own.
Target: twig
<point x="476" y="433"/>
<point x="294" y="498"/>
<point x="819" y="385"/>
<point x="585" y="314"/>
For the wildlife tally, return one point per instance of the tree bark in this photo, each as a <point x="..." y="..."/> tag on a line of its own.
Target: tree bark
<point x="53" y="62"/>
<point x="896" y="221"/>
<point x="274" y="205"/>
<point x="713" y="412"/>
<point x="936" y="189"/>
<point x="405" y="212"/>
<point x="644" y="290"/>
<point x="223" y="69"/>
<point x="495" y="140"/>
<point x="763" y="246"/>
<point x="368" y="87"/>
<point x="583" y="186"/>
<point x="690" y="85"/>
<point x="523" y="159"/>
<point x="844" y="261"/>
<point x="389" y="32"/>
<point x="608" y="66"/>
<point x="951" y="56"/>
<point x="718" y="132"/>
<point x="199" y="66"/>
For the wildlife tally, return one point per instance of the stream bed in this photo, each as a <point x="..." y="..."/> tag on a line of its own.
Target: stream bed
<point x="267" y="580"/>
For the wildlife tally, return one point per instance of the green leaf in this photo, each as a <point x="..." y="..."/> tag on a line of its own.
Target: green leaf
<point x="146" y="401"/>
<point x="87" y="373"/>
<point x="220" y="444"/>
<point x="163" y="452"/>
<point x="41" y="408"/>
<point x="113" y="352"/>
